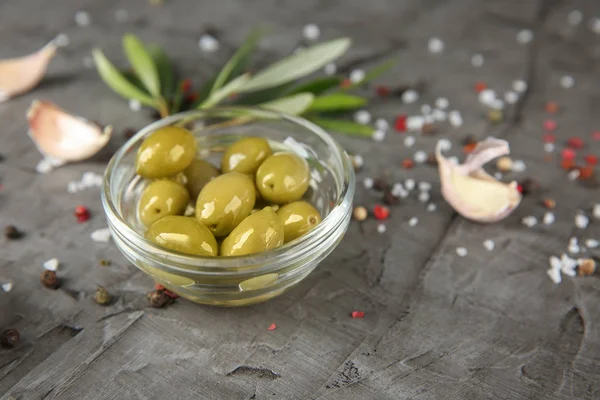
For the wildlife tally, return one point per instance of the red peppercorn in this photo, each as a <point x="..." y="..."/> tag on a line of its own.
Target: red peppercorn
<point x="346" y="83"/>
<point x="382" y="90"/>
<point x="480" y="87"/>
<point x="586" y="172"/>
<point x="520" y="188"/>
<point x="551" y="107"/>
<point x="400" y="124"/>
<point x="381" y="212"/>
<point x="408" y="163"/>
<point x="469" y="147"/>
<point x="575" y="142"/>
<point x="568" y="154"/>
<point x="82" y="214"/>
<point x="358" y="314"/>
<point x="591" y="159"/>
<point x="549" y="138"/>
<point x="186" y="85"/>
<point x="272" y="327"/>
<point x="549" y="125"/>
<point x="567" y="164"/>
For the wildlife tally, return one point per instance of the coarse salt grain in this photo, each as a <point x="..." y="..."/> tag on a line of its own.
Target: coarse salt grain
<point x="511" y="97"/>
<point x="549" y="147"/>
<point x="529" y="221"/>
<point x="567" y="262"/>
<point x="575" y="17"/>
<point x="409" y="96"/>
<point x="549" y="218"/>
<point x="135" y="105"/>
<point x="425" y="109"/>
<point x="424" y="186"/>
<point x="524" y="36"/>
<point x="555" y="263"/>
<point x="121" y="15"/>
<point x="554" y="275"/>
<point x="7" y="287"/>
<point x="568" y="270"/>
<point x="445" y="144"/>
<point x="409" y="184"/>
<point x="396" y="189"/>
<point x="208" y="43"/>
<point x="101" y="235"/>
<point x="44" y="166"/>
<point x="596" y="211"/>
<point x="455" y="118"/>
<point x="428" y="119"/>
<point x="415" y="123"/>
<point x="381" y="228"/>
<point x="424" y="197"/>
<point x="574" y="248"/>
<point x="442" y="103"/>
<point x="431" y="207"/>
<point x="378" y="135"/>
<point x="591" y="243"/>
<point x="518" y="166"/>
<point x="519" y="86"/>
<point x="420" y="157"/>
<point x="357" y="75"/>
<point x="311" y="32"/>
<point x="461" y="251"/>
<point x="51" y="264"/>
<point x="487" y="96"/>
<point x="439" y="115"/>
<point x="413" y="221"/>
<point x="489" y="244"/>
<point x="61" y="40"/>
<point x="477" y="60"/>
<point x="567" y="81"/>
<point x="594" y="25"/>
<point x="409" y="141"/>
<point x="435" y="45"/>
<point x="581" y="221"/>
<point x="382" y="124"/>
<point x="574" y="174"/>
<point x="330" y="69"/>
<point x="368" y="183"/>
<point x="362" y="117"/>
<point x="82" y="18"/>
<point x="497" y="104"/>
<point x="358" y="160"/>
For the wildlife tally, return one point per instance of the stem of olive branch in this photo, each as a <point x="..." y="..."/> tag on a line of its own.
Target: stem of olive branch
<point x="162" y="108"/>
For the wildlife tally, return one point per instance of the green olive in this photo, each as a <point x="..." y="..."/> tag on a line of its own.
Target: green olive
<point x="165" y="152"/>
<point x="283" y="178"/>
<point x="183" y="234"/>
<point x="198" y="174"/>
<point x="225" y="201"/>
<point x="161" y="198"/>
<point x="260" y="231"/>
<point x="246" y="155"/>
<point x="298" y="218"/>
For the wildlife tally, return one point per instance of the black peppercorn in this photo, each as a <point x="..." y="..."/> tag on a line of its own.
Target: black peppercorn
<point x="389" y="198"/>
<point x="529" y="186"/>
<point x="11" y="232"/>
<point x="469" y="139"/>
<point x="49" y="279"/>
<point x="10" y="338"/>
<point x="432" y="160"/>
<point x="128" y="133"/>
<point x="380" y="184"/>
<point x="158" y="298"/>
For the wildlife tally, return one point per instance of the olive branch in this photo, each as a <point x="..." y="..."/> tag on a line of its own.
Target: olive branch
<point x="153" y="81"/>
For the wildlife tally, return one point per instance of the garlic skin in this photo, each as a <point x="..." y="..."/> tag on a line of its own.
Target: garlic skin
<point x="472" y="192"/>
<point x="63" y="137"/>
<point x="19" y="75"/>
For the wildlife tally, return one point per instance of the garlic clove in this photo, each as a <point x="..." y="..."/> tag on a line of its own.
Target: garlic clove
<point x="472" y="192"/>
<point x="19" y="75"/>
<point x="64" y="137"/>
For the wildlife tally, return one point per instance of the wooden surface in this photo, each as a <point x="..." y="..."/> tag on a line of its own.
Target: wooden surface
<point x="436" y="326"/>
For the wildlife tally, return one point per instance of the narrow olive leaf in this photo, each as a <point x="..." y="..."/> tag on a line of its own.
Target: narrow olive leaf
<point x="297" y="65"/>
<point x="336" y="102"/>
<point x="227" y="90"/>
<point x="318" y="85"/>
<point x="177" y="99"/>
<point x="134" y="80"/>
<point x="374" y="73"/>
<point x="262" y="96"/>
<point x="142" y="63"/>
<point x="240" y="56"/>
<point x="117" y="82"/>
<point x="294" y="105"/>
<point x="351" y="128"/>
<point x="166" y="73"/>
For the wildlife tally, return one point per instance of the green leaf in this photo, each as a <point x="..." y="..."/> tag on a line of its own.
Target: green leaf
<point x="374" y="73"/>
<point x="177" y="99"/>
<point x="294" y="105"/>
<point x="342" y="126"/>
<point x="337" y="101"/>
<point x="297" y="65"/>
<point x="318" y="85"/>
<point x="263" y="96"/>
<point x="117" y="82"/>
<point x="166" y="73"/>
<point x="240" y="57"/>
<point x="142" y="64"/>
<point x="227" y="90"/>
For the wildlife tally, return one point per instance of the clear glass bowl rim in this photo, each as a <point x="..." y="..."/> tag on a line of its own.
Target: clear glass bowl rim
<point x="270" y="260"/>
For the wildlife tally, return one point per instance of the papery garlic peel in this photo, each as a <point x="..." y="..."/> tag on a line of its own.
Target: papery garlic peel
<point x="471" y="191"/>
<point x="19" y="75"/>
<point x="61" y="136"/>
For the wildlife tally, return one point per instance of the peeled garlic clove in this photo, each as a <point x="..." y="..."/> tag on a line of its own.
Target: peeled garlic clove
<point x="61" y="136"/>
<point x="471" y="191"/>
<point x="19" y="75"/>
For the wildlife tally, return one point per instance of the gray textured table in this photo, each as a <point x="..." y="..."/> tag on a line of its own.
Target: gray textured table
<point x="436" y="325"/>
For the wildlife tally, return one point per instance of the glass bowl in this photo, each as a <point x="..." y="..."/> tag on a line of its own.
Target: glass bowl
<point x="241" y="280"/>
